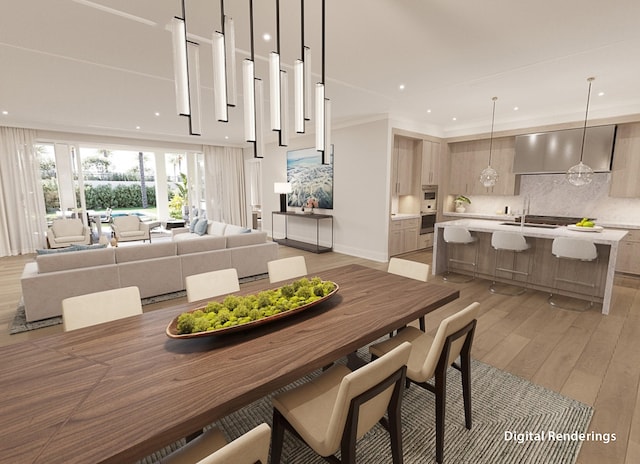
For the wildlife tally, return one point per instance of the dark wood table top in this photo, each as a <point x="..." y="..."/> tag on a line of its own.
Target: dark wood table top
<point x="122" y="390"/>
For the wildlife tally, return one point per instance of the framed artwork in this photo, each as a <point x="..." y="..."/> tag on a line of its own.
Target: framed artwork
<point x="309" y="178"/>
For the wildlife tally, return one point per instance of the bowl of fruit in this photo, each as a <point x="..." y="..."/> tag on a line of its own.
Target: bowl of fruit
<point x="585" y="225"/>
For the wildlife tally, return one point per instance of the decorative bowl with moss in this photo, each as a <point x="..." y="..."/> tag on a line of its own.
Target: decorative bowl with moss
<point x="237" y="313"/>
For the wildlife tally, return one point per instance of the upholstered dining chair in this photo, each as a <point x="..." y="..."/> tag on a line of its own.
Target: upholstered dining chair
<point x="212" y="448"/>
<point x="412" y="270"/>
<point x="286" y="268"/>
<point x="96" y="308"/>
<point x="210" y="284"/>
<point x="432" y="356"/>
<point x="332" y="411"/>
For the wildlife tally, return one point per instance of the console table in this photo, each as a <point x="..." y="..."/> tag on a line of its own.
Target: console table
<point x="313" y="247"/>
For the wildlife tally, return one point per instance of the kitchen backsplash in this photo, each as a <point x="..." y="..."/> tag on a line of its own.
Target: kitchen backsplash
<point x="551" y="194"/>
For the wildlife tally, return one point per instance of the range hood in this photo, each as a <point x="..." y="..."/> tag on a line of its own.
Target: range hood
<point x="555" y="152"/>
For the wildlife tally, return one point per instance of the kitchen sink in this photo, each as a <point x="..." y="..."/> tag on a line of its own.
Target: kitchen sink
<point x="526" y="224"/>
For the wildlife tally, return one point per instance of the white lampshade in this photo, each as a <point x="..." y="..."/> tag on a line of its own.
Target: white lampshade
<point x="249" y="95"/>
<point x="181" y="78"/>
<point x="284" y="109"/>
<point x="230" y="53"/>
<point x="282" y="187"/>
<point x="320" y="116"/>
<point x="298" y="95"/>
<point x="193" y="57"/>
<point x="219" y="78"/>
<point x="274" y="90"/>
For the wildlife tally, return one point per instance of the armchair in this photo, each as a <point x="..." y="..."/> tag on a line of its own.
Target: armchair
<point x="129" y="228"/>
<point x="67" y="232"/>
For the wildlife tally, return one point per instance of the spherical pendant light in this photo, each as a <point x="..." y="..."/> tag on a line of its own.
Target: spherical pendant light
<point x="489" y="176"/>
<point x="581" y="174"/>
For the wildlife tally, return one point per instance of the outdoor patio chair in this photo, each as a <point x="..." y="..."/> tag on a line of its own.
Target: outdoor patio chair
<point x="67" y="232"/>
<point x="130" y="228"/>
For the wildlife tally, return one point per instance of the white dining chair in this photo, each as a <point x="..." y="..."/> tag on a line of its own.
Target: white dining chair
<point x="286" y="268"/>
<point x="210" y="284"/>
<point x="211" y="447"/>
<point x="412" y="270"/>
<point x="96" y="308"/>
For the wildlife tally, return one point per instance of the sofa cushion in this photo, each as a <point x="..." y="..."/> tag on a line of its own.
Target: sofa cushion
<point x="217" y="228"/>
<point x="53" y="251"/>
<point x="234" y="230"/>
<point x="65" y="261"/>
<point x="204" y="243"/>
<point x="145" y="251"/>
<point x="68" y="227"/>
<point x="82" y="247"/>
<point x="238" y="240"/>
<point x="192" y="225"/>
<point x="201" y="227"/>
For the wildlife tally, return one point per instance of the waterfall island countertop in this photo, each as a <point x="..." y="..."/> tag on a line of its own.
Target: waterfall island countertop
<point x="541" y="237"/>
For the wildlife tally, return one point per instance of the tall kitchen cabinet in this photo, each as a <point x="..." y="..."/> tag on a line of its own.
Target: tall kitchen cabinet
<point x="404" y="162"/>
<point x="468" y="159"/>
<point x="430" y="172"/>
<point x="626" y="162"/>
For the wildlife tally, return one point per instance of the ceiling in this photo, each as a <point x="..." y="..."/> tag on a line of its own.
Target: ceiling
<point x="105" y="66"/>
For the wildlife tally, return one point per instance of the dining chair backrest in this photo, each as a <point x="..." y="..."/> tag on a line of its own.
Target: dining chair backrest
<point x="457" y="235"/>
<point x="574" y="248"/>
<point x="210" y="284"/>
<point x="211" y="447"/>
<point x="286" y="268"/>
<point x="407" y="268"/>
<point x="448" y="327"/>
<point x="359" y="382"/>
<point x="96" y="308"/>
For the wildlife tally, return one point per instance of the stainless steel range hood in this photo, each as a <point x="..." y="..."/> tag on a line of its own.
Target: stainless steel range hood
<point x="555" y="152"/>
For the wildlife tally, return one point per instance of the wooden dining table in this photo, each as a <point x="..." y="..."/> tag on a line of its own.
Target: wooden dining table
<point x="119" y="391"/>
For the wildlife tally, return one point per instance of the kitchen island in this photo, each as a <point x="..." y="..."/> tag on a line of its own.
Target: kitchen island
<point x="542" y="261"/>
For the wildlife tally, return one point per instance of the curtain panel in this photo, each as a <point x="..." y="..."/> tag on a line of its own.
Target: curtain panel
<point x="225" y="185"/>
<point x="23" y="222"/>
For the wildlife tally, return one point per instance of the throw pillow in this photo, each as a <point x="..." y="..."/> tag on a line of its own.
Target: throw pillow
<point x="95" y="246"/>
<point x="192" y="225"/>
<point x="52" y="251"/>
<point x="201" y="227"/>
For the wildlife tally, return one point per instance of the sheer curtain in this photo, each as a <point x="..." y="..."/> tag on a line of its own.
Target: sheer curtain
<point x="224" y="185"/>
<point x="23" y="221"/>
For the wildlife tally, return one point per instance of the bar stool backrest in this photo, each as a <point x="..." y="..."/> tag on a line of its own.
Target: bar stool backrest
<point x="457" y="235"/>
<point x="574" y="248"/>
<point x="512" y="241"/>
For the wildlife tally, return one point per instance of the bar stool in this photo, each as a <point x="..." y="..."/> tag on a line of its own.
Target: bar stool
<point x="459" y="236"/>
<point x="577" y="250"/>
<point x="515" y="243"/>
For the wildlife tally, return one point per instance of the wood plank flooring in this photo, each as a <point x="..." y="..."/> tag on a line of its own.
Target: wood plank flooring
<point x="584" y="355"/>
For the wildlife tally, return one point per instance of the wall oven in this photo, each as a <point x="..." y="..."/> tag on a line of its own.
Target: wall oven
<point x="428" y="207"/>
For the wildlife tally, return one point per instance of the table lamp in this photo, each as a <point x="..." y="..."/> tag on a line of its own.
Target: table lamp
<point x="282" y="188"/>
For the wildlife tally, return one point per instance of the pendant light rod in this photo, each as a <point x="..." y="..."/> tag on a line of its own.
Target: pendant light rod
<point x="278" y="26"/>
<point x="586" y="114"/>
<point x="493" y="119"/>
<point x="323" y="36"/>
<point x="222" y="16"/>
<point x="251" y="29"/>
<point x="302" y="29"/>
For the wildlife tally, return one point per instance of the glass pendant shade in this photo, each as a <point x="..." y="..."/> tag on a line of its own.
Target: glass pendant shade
<point x="579" y="175"/>
<point x="488" y="177"/>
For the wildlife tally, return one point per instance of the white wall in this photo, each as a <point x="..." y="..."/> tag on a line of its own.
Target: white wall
<point x="360" y="188"/>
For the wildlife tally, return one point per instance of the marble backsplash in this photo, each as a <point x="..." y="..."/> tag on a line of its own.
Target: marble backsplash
<point x="551" y="194"/>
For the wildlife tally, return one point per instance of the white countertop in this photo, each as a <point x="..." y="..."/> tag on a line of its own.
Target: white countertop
<point x="511" y="217"/>
<point x="605" y="237"/>
<point x="399" y="216"/>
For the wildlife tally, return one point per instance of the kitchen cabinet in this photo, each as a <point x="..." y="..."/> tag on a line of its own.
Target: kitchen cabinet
<point x="403" y="236"/>
<point x="404" y="166"/>
<point x="430" y="163"/>
<point x="626" y="162"/>
<point x="425" y="241"/>
<point x="468" y="159"/>
<point x="629" y="253"/>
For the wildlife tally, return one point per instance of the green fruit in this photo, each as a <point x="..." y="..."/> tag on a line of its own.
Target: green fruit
<point x="588" y="224"/>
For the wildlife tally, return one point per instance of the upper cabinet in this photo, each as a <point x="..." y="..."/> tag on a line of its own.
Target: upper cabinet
<point x="404" y="164"/>
<point x="468" y="159"/>
<point x="626" y="162"/>
<point x="430" y="163"/>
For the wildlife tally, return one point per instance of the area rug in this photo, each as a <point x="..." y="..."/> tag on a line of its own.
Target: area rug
<point x="514" y="421"/>
<point x="20" y="323"/>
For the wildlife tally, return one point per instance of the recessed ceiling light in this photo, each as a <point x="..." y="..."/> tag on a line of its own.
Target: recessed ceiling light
<point x="515" y="108"/>
<point x="266" y="37"/>
<point x="600" y="94"/>
<point x="5" y="112"/>
<point x="401" y="86"/>
<point x="157" y="113"/>
<point x="429" y="111"/>
<point x="137" y="127"/>
<point x="454" y="118"/>
<point x="226" y="137"/>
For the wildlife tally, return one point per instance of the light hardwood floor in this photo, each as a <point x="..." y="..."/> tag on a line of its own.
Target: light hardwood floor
<point x="584" y="355"/>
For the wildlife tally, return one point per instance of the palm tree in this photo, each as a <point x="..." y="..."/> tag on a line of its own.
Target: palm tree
<point x="143" y="185"/>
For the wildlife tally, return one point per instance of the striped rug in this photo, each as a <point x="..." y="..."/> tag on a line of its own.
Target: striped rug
<point x="513" y="421"/>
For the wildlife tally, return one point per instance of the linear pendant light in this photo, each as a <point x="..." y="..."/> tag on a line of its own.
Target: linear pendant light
<point x="320" y="116"/>
<point x="274" y="77"/>
<point x="489" y="176"/>
<point x="248" y="92"/>
<point x="230" y="55"/>
<point x="284" y="112"/>
<point x="581" y="174"/>
<point x="298" y="95"/>
<point x="219" y="78"/>
<point x="323" y="108"/>
<point x="193" y="61"/>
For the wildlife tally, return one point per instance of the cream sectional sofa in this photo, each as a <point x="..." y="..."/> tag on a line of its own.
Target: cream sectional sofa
<point x="214" y="228"/>
<point x="155" y="268"/>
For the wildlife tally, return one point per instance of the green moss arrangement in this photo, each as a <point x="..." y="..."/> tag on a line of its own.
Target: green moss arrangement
<point x="237" y="310"/>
